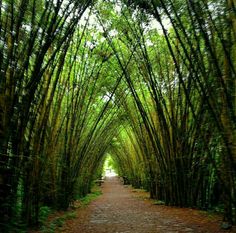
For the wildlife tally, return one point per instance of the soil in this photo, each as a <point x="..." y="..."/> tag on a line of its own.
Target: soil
<point x="121" y="209"/>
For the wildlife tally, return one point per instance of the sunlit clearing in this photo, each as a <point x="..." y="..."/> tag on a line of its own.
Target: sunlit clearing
<point x="110" y="173"/>
<point x="108" y="168"/>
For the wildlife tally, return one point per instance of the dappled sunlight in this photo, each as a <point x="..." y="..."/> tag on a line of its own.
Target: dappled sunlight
<point x="109" y="167"/>
<point x="110" y="173"/>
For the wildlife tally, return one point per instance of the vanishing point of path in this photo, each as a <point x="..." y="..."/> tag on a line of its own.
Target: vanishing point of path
<point x="121" y="209"/>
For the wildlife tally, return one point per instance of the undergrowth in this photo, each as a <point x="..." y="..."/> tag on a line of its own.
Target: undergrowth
<point x="90" y="197"/>
<point x="56" y="223"/>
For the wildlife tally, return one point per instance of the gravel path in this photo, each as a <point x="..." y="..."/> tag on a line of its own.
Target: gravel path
<point x="122" y="209"/>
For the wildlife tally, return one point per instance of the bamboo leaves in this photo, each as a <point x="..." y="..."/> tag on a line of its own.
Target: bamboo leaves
<point x="150" y="83"/>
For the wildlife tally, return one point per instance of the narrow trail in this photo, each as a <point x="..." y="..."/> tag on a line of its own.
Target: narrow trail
<point x="122" y="210"/>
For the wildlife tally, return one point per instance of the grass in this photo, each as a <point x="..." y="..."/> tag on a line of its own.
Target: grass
<point x="44" y="212"/>
<point x="90" y="197"/>
<point x="158" y="202"/>
<point x="57" y="222"/>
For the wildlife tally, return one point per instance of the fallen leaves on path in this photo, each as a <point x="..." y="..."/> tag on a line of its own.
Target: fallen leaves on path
<point x="122" y="209"/>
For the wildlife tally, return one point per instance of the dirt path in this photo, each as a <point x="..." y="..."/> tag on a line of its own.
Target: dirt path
<point x="123" y="210"/>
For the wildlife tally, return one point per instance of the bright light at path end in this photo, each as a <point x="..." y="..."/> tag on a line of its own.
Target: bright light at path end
<point x="110" y="173"/>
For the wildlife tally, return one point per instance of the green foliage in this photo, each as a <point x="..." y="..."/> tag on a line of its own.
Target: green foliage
<point x="89" y="197"/>
<point x="158" y="202"/>
<point x="70" y="215"/>
<point x="109" y="164"/>
<point x="50" y="229"/>
<point x="151" y="83"/>
<point x="44" y="212"/>
<point x="58" y="222"/>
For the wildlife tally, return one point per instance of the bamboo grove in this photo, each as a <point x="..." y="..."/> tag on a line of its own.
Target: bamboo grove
<point x="151" y="83"/>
